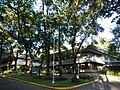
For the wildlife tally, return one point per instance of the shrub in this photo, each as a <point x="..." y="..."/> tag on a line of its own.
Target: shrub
<point x="84" y="77"/>
<point x="115" y="73"/>
<point x="8" y="71"/>
<point x="81" y="78"/>
<point x="118" y="73"/>
<point x="56" y="78"/>
<point x="74" y="80"/>
<point x="61" y="79"/>
<point x="103" y="72"/>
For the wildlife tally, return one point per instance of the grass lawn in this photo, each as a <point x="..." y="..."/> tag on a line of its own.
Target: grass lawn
<point x="48" y="82"/>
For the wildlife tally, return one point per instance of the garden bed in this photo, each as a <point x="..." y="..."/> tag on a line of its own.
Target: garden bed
<point x="59" y="82"/>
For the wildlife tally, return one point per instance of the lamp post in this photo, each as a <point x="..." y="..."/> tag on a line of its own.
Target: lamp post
<point x="78" y="68"/>
<point x="53" y="81"/>
<point x="78" y="71"/>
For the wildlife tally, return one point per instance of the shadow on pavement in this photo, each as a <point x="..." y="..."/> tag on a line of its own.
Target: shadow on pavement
<point x="105" y="82"/>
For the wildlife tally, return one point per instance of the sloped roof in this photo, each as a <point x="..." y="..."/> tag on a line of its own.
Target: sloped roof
<point x="91" y="59"/>
<point x="93" y="49"/>
<point x="22" y="62"/>
<point x="23" y="57"/>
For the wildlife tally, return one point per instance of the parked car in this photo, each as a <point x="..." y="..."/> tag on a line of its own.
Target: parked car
<point x="33" y="72"/>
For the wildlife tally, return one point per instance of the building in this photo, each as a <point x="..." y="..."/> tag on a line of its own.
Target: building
<point x="20" y="62"/>
<point x="90" y="59"/>
<point x="94" y="59"/>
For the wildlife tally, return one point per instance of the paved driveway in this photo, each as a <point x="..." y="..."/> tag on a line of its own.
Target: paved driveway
<point x="106" y="83"/>
<point x="8" y="84"/>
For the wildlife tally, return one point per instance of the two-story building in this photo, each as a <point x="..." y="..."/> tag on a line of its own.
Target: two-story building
<point x="90" y="59"/>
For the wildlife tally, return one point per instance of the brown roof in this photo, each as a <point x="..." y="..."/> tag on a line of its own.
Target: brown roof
<point x="93" y="49"/>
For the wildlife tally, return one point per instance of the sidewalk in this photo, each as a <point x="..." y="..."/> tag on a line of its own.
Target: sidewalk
<point x="105" y="83"/>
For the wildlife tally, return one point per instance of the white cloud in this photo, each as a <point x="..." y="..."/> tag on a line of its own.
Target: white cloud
<point x="107" y="25"/>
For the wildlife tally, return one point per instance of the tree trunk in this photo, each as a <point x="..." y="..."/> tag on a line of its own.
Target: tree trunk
<point x="31" y="62"/>
<point x="26" y="56"/>
<point x="15" y="59"/>
<point x="10" y="58"/>
<point x="1" y="50"/>
<point x="46" y="40"/>
<point x="75" y="66"/>
<point x="74" y="62"/>
<point x="74" y="38"/>
<point x="48" y="55"/>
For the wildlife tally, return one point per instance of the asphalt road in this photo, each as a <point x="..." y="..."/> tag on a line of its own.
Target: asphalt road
<point x="9" y="84"/>
<point x="106" y="83"/>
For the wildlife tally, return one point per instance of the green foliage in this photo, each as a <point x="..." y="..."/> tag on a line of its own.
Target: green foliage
<point x="82" y="78"/>
<point x="103" y="72"/>
<point x="8" y="71"/>
<point x="114" y="48"/>
<point x="45" y="81"/>
<point x="26" y="29"/>
<point x="115" y="73"/>
<point x="110" y="7"/>
<point x="103" y="44"/>
<point x="29" y="24"/>
<point x="74" y="80"/>
<point x="20" y="68"/>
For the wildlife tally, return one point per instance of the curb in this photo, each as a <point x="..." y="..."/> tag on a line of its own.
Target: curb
<point x="50" y="87"/>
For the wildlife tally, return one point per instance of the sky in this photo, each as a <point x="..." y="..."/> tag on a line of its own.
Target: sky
<point x="108" y="26"/>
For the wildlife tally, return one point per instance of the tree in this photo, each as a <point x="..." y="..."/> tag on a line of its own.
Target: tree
<point x="103" y="43"/>
<point x="112" y="49"/>
<point x="59" y="7"/>
<point x="6" y="30"/>
<point x="63" y="20"/>
<point x="115" y="46"/>
<point x="4" y="46"/>
<point x="116" y="33"/>
<point x="46" y="37"/>
<point x="82" y="22"/>
<point x="111" y="7"/>
<point x="79" y="20"/>
<point x="23" y="21"/>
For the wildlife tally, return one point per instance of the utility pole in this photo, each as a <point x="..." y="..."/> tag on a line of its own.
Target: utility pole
<point x="53" y="81"/>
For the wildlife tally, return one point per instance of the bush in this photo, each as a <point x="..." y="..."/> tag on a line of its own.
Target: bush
<point x="61" y="79"/>
<point x="74" y="80"/>
<point x="103" y="72"/>
<point x="81" y="78"/>
<point x="84" y="77"/>
<point x="118" y="73"/>
<point x="56" y="78"/>
<point x="115" y="73"/>
<point x="8" y="71"/>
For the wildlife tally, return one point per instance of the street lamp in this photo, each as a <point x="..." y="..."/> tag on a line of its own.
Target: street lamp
<point x="53" y="81"/>
<point x="78" y="71"/>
